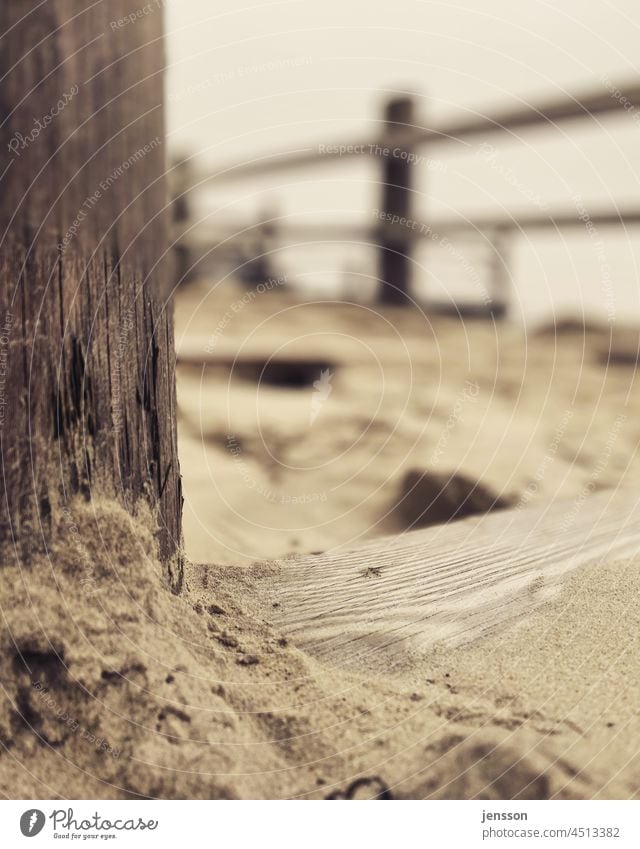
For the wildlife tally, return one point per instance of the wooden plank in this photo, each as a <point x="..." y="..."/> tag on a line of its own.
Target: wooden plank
<point x="389" y="601"/>
<point x="396" y="201"/>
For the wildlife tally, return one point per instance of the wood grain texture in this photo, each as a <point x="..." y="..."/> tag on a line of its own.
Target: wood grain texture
<point x="89" y="389"/>
<point x="383" y="605"/>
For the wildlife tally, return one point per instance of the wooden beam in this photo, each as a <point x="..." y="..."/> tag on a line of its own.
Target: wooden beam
<point x="220" y="241"/>
<point x="388" y="602"/>
<point x="560" y="220"/>
<point x="555" y="110"/>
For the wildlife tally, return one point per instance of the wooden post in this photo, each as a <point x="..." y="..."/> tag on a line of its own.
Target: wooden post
<point x="500" y="282"/>
<point x="394" y="266"/>
<point x="87" y="355"/>
<point x="181" y="213"/>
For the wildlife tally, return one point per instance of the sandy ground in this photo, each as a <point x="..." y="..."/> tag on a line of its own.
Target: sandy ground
<point x="522" y="415"/>
<point x="114" y="687"/>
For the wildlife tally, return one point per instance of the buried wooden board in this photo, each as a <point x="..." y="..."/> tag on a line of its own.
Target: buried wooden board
<point x="385" y="603"/>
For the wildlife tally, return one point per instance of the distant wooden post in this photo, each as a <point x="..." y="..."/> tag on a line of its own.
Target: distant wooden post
<point x="86" y="352"/>
<point x="499" y="272"/>
<point x="395" y="235"/>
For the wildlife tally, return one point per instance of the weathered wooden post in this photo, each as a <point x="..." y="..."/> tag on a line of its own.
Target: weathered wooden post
<point x="394" y="232"/>
<point x="88" y="391"/>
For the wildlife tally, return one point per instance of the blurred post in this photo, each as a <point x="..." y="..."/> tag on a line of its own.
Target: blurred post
<point x="394" y="233"/>
<point x="181" y="213"/>
<point x="88" y="405"/>
<point x="499" y="272"/>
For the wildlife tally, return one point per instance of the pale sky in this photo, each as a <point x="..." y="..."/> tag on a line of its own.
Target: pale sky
<point x="280" y="72"/>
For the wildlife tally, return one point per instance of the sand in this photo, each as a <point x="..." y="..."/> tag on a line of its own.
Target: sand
<point x="113" y="687"/>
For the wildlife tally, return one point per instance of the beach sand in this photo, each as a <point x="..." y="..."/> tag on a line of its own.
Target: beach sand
<point x="114" y="687"/>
